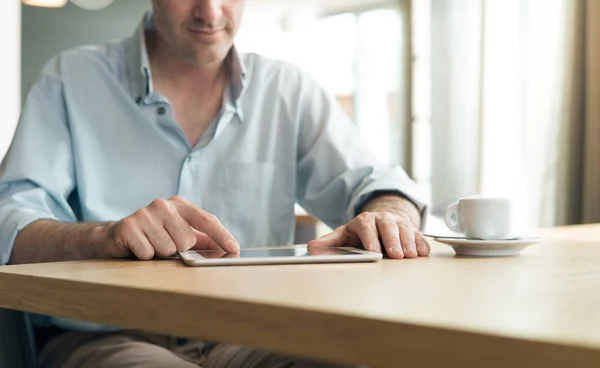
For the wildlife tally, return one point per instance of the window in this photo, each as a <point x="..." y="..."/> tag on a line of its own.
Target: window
<point x="356" y="55"/>
<point x="366" y="59"/>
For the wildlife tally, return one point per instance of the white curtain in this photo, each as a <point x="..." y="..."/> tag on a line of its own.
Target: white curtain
<point x="508" y="106"/>
<point x="590" y="168"/>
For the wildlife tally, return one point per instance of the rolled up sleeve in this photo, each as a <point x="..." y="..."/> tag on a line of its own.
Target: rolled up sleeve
<point x="337" y="171"/>
<point x="36" y="175"/>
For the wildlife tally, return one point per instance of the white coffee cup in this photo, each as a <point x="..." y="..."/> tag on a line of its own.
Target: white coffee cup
<point x="481" y="218"/>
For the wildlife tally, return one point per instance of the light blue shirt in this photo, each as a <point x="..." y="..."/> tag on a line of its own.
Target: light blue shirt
<point x="95" y="142"/>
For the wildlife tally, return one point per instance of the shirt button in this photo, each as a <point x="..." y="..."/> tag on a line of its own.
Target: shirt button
<point x="161" y="110"/>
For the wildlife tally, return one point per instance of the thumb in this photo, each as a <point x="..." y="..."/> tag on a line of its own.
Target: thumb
<point x="204" y="242"/>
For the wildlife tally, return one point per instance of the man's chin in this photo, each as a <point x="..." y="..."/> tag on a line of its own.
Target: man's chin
<point x="209" y="55"/>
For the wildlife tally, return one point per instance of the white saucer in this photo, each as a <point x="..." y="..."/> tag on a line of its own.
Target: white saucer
<point x="488" y="248"/>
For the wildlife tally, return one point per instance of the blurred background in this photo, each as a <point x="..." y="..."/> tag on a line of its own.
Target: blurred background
<point x="471" y="97"/>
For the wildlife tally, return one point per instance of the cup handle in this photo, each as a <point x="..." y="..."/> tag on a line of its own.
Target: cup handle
<point x="451" y="218"/>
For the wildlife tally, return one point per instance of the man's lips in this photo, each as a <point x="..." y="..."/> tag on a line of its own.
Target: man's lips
<point x="207" y="32"/>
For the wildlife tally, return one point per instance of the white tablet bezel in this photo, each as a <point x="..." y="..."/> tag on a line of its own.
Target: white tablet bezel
<point x="191" y="258"/>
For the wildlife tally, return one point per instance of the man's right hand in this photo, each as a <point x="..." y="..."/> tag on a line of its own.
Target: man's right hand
<point x="166" y="226"/>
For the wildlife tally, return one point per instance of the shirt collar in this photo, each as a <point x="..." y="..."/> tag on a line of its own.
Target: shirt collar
<point x="137" y="61"/>
<point x="141" y="77"/>
<point x="237" y="81"/>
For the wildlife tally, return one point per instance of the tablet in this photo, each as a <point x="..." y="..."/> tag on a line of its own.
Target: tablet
<point x="277" y="256"/>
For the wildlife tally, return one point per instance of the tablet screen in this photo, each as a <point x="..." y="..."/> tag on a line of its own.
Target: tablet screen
<point x="260" y="253"/>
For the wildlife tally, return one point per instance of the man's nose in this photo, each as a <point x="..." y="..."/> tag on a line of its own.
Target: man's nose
<point x="209" y="10"/>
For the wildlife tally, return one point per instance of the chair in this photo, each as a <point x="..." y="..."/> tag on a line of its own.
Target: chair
<point x="17" y="344"/>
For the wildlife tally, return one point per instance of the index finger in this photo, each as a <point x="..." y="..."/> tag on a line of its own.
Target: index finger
<point x="207" y="223"/>
<point x="340" y="237"/>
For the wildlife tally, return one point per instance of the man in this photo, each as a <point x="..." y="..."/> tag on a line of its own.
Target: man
<point x="108" y="133"/>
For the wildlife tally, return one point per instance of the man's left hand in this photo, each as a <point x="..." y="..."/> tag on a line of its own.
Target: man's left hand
<point x="375" y="230"/>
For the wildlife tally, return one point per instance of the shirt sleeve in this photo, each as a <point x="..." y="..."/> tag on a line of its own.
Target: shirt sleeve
<point x="36" y="175"/>
<point x="337" y="171"/>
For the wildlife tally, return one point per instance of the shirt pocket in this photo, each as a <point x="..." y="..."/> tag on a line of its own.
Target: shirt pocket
<point x="257" y="202"/>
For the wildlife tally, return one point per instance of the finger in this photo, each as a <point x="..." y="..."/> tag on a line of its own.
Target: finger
<point x="204" y="242"/>
<point x="155" y="232"/>
<point x="180" y="232"/>
<point x="422" y="245"/>
<point x="160" y="240"/>
<point x="207" y="223"/>
<point x="365" y="228"/>
<point x="316" y="250"/>
<point x="407" y="239"/>
<point x="390" y="235"/>
<point x="332" y="239"/>
<point x="142" y="248"/>
<point x="322" y="251"/>
<point x="337" y="238"/>
<point x="120" y="246"/>
<point x="131" y="236"/>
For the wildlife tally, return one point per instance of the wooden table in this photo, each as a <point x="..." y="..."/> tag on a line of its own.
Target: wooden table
<point x="541" y="309"/>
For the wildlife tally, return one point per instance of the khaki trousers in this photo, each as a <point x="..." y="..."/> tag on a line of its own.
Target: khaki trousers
<point x="135" y="349"/>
